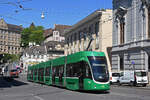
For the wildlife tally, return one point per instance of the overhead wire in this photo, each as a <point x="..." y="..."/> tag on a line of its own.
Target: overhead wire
<point x="35" y="10"/>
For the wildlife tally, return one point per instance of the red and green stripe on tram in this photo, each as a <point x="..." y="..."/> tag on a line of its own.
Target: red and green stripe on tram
<point x="86" y="70"/>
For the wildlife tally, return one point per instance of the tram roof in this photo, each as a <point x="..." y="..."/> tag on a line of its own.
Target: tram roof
<point x="72" y="58"/>
<point x="80" y="56"/>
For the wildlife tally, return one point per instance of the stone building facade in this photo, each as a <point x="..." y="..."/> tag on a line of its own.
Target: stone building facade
<point x="10" y="38"/>
<point x="98" y="26"/>
<point x="54" y="40"/>
<point x="131" y="35"/>
<point x="56" y="33"/>
<point x="32" y="55"/>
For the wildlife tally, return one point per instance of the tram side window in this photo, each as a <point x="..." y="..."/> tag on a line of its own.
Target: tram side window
<point x="35" y="72"/>
<point x="32" y="74"/>
<point x="69" y="70"/>
<point x="47" y="71"/>
<point x="59" y="71"/>
<point x="78" y="69"/>
<point x="54" y="71"/>
<point x="38" y="74"/>
<point x="75" y="70"/>
<point x="42" y="73"/>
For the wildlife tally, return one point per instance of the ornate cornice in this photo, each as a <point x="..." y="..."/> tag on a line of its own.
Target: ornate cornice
<point x="146" y="3"/>
<point x="120" y="13"/>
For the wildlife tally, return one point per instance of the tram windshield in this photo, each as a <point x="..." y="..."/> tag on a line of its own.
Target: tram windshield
<point x="99" y="68"/>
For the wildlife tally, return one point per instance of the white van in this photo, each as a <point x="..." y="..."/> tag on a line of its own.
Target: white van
<point x="134" y="77"/>
<point x="114" y="77"/>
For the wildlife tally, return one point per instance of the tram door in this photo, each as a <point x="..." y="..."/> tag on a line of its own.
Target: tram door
<point x="81" y="74"/>
<point x="53" y="75"/>
<point x="60" y="75"/>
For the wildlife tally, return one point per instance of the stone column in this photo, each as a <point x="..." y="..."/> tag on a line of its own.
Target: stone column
<point x="93" y="42"/>
<point x="73" y="47"/>
<point x="87" y="42"/>
<point x="82" y="44"/>
<point x="77" y="46"/>
<point x="66" y="50"/>
<point x="69" y="48"/>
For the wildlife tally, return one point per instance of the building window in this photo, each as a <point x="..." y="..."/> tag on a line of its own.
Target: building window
<point x="96" y="28"/>
<point x="121" y="63"/>
<point x="122" y="29"/>
<point x="57" y="38"/>
<point x="90" y="30"/>
<point x="71" y="39"/>
<point x="149" y="23"/>
<point x="75" y="36"/>
<point x="67" y="41"/>
<point x="149" y="63"/>
<point x="120" y="16"/>
<point x="57" y="33"/>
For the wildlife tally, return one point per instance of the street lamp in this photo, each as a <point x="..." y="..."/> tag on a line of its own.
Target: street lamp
<point x="42" y="15"/>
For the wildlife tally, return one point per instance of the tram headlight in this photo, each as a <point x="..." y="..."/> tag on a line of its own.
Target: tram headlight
<point x="89" y="82"/>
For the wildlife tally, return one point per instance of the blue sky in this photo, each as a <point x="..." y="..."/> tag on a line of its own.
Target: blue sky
<point x="67" y="12"/>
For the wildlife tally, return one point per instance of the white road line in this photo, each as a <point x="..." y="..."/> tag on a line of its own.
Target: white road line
<point x="37" y="97"/>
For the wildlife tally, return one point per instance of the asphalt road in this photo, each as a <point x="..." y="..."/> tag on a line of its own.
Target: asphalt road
<point x="20" y="89"/>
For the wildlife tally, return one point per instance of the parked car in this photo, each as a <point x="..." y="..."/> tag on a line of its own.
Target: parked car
<point x="138" y="77"/>
<point x="14" y="73"/>
<point x="114" y="77"/>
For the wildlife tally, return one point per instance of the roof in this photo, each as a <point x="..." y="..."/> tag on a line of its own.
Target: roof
<point x="11" y="27"/>
<point x="61" y="28"/>
<point x="48" y="32"/>
<point x="14" y="27"/>
<point x="57" y="27"/>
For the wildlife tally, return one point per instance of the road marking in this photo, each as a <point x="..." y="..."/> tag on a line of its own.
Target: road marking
<point x="37" y="97"/>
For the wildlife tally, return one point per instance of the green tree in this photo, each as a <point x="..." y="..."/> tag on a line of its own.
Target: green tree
<point x="32" y="34"/>
<point x="25" y="36"/>
<point x="14" y="57"/>
<point x="9" y="57"/>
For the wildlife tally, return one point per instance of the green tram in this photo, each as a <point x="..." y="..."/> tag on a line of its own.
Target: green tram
<point x="85" y="70"/>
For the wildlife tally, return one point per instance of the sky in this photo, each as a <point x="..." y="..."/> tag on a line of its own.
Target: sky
<point x="66" y="12"/>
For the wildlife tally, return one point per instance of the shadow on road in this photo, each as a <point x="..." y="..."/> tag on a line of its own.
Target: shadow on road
<point x="8" y="83"/>
<point x="94" y="92"/>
